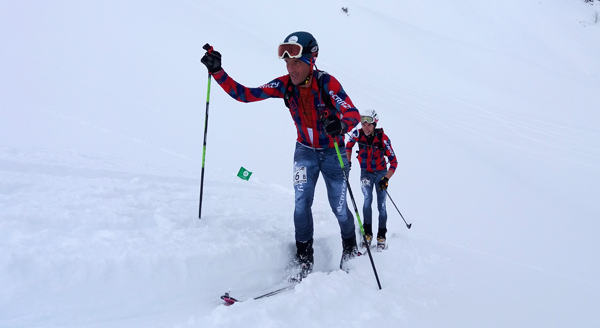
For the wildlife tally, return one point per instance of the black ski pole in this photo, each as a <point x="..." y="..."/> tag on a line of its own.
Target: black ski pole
<point x="408" y="225"/>
<point x="362" y="230"/>
<point x="208" y="48"/>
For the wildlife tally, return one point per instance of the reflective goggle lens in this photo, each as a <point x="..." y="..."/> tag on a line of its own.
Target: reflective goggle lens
<point x="293" y="50"/>
<point x="366" y="119"/>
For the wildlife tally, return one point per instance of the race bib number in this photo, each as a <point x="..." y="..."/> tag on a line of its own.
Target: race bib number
<point x="299" y="175"/>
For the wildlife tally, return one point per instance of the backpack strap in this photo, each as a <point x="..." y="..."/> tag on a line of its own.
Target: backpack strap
<point x="361" y="133"/>
<point x="324" y="96"/>
<point x="379" y="134"/>
<point x="289" y="91"/>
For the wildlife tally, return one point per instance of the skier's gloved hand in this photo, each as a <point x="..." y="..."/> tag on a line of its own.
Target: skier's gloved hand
<point x="383" y="184"/>
<point x="211" y="59"/>
<point x="333" y="125"/>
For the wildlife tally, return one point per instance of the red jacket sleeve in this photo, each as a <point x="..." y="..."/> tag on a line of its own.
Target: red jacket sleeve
<point x="389" y="153"/>
<point x="352" y="140"/>
<point x="273" y="89"/>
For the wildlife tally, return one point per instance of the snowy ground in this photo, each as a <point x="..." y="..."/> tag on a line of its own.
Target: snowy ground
<point x="491" y="107"/>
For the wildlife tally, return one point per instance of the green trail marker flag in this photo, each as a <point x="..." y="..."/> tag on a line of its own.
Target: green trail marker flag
<point x="244" y="174"/>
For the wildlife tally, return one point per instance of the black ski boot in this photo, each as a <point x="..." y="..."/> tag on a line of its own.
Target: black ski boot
<point x="381" y="239"/>
<point x="349" y="251"/>
<point x="368" y="235"/>
<point x="304" y="260"/>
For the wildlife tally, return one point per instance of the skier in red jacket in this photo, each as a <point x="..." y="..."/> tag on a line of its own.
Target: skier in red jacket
<point x="373" y="147"/>
<point x="322" y="113"/>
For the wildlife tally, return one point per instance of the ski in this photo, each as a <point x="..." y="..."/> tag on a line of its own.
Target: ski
<point x="292" y="277"/>
<point x="290" y="284"/>
<point x="230" y="300"/>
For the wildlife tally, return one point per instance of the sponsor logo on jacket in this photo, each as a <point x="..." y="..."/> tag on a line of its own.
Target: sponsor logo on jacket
<point x="339" y="100"/>
<point x="272" y="85"/>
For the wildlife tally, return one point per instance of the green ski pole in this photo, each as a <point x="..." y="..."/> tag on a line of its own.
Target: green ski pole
<point x="206" y="47"/>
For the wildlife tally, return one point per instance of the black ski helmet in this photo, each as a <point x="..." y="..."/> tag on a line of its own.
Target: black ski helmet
<point x="310" y="47"/>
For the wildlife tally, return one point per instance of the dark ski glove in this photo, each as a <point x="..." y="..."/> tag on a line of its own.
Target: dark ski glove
<point x="211" y="59"/>
<point x="383" y="184"/>
<point x="333" y="125"/>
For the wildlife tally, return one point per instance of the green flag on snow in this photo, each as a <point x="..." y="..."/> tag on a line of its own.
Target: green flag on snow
<point x="244" y="174"/>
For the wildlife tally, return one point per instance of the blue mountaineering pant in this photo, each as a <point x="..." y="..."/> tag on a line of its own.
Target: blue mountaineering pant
<point x="368" y="181"/>
<point x="308" y="163"/>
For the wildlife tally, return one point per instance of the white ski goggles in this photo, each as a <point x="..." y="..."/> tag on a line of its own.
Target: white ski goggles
<point x="292" y="50"/>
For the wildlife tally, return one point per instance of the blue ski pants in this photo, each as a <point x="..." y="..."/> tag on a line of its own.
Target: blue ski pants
<point x="308" y="164"/>
<point x="368" y="181"/>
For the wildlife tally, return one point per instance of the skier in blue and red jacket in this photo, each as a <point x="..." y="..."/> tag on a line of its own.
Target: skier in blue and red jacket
<point x="322" y="113"/>
<point x="373" y="148"/>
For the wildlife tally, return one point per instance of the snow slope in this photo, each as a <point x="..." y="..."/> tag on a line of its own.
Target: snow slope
<point x="492" y="108"/>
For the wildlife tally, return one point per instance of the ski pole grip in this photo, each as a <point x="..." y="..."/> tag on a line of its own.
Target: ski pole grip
<point x="208" y="48"/>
